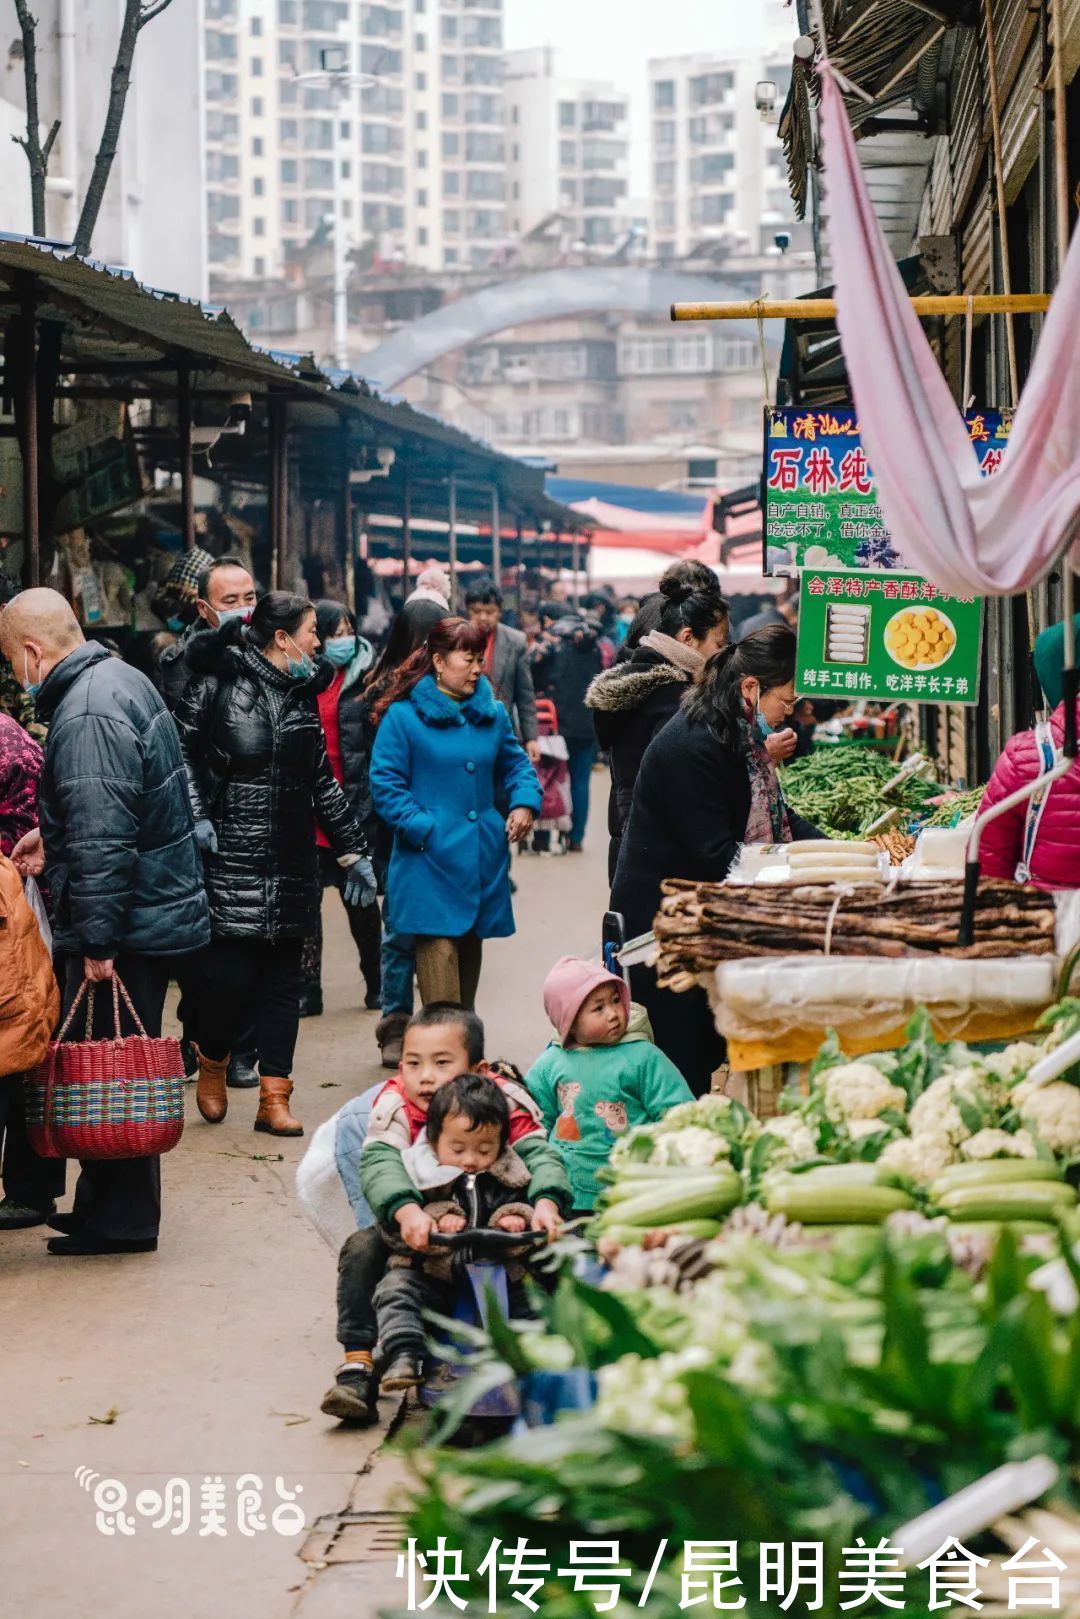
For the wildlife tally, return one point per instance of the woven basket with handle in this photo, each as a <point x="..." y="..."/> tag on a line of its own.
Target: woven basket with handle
<point x="116" y="1098"/>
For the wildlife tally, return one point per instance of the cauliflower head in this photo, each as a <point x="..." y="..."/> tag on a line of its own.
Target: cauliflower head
<point x="1012" y="1063"/>
<point x="795" y="1140"/>
<point x="1052" y="1112"/>
<point x="998" y="1144"/>
<point x="693" y="1145"/>
<point x="858" y="1090"/>
<point x="935" y="1113"/>
<point x="920" y="1157"/>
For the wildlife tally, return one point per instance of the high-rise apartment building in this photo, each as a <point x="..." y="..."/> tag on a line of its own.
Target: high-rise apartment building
<point x="568" y="149"/>
<point x="718" y="169"/>
<point x="412" y="155"/>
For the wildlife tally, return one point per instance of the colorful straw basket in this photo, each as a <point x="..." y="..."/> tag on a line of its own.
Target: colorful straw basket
<point x="118" y="1098"/>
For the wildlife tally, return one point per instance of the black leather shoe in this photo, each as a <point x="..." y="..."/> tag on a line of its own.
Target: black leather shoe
<point x="84" y="1242"/>
<point x="242" y="1075"/>
<point x="66" y="1223"/>
<point x="403" y="1372"/>
<point x="20" y="1216"/>
<point x="354" y="1397"/>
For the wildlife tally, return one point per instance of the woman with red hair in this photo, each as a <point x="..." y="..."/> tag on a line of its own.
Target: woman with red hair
<point x="444" y="752"/>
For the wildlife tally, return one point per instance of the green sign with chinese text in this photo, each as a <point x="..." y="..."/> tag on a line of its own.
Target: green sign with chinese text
<point x="885" y="637"/>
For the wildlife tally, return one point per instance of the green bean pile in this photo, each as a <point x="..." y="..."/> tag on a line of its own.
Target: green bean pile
<point x="839" y="790"/>
<point x="958" y="808"/>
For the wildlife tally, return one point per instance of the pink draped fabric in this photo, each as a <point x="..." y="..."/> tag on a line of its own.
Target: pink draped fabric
<point x="966" y="533"/>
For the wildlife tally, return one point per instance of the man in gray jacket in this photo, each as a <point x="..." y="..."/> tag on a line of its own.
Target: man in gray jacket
<point x="506" y="661"/>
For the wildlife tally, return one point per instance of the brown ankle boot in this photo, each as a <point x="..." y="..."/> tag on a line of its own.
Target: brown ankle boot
<point x="211" y="1095"/>
<point x="273" y="1115"/>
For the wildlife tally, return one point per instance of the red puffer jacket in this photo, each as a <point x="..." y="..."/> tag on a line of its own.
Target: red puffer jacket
<point x="1055" y="860"/>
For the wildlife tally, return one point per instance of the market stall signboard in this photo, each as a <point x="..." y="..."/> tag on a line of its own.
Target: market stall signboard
<point x="885" y="637"/>
<point x="821" y="506"/>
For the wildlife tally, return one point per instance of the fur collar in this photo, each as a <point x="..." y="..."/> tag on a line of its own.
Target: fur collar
<point x="675" y="651"/>
<point x="435" y="708"/>
<point x="628" y="686"/>
<point x="426" y="1172"/>
<point x="227" y="651"/>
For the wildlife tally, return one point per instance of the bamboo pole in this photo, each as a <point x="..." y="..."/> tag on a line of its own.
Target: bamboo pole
<point x="999" y="190"/>
<point x="1061" y="159"/>
<point x="987" y="303"/>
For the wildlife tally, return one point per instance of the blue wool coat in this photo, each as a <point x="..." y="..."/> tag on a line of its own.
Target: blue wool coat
<point x="436" y="768"/>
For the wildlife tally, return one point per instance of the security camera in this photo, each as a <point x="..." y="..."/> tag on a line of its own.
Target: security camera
<point x="782" y="238"/>
<point x="766" y="95"/>
<point x="385" y="457"/>
<point x="239" y="412"/>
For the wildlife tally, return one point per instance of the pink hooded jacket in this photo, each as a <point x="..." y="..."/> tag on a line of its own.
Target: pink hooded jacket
<point x="1055" y="860"/>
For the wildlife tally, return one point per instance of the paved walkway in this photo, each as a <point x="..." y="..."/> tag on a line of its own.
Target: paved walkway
<point x="210" y="1358"/>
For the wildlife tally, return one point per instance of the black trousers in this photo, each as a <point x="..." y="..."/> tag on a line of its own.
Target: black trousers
<point x="365" y="925"/>
<point x="30" y="1180"/>
<point x="247" y="980"/>
<point x="361" y="1263"/>
<point x="683" y="1028"/>
<point x="120" y="1197"/>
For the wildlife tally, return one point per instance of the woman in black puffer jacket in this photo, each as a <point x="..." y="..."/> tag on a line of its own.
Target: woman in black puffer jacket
<point x="259" y="778"/>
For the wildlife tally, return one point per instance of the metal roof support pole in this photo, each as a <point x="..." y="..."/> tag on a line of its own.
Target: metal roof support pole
<point x="406" y="535"/>
<point x="999" y="190"/>
<point x="31" y="509"/>
<point x="496" y="538"/>
<point x="575" y="563"/>
<point x="277" y="491"/>
<point x="519" y="562"/>
<point x="452" y="516"/>
<point x="187" y="468"/>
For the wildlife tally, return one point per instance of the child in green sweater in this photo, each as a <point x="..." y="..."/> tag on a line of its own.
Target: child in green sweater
<point x="601" y="1075"/>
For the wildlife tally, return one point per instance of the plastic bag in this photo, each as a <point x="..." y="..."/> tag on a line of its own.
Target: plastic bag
<point x="37" y="905"/>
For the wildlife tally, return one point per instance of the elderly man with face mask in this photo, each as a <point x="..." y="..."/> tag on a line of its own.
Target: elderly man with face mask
<point x="216" y="591"/>
<point x="116" y="843"/>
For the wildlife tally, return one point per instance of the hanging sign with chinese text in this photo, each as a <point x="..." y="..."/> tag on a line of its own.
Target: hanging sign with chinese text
<point x="820" y="503"/>
<point x="885" y="637"/>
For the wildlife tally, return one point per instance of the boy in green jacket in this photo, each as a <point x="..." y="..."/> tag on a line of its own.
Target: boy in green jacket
<point x="601" y="1075"/>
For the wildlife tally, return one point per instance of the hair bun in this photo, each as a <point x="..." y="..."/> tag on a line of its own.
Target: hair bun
<point x="676" y="590"/>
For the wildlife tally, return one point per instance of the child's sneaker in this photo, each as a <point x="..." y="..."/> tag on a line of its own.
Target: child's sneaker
<point x="354" y="1396"/>
<point x="403" y="1372"/>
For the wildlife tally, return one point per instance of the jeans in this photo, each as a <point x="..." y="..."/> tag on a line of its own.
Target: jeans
<point x="120" y="1197"/>
<point x="398" y="972"/>
<point x="582" y="753"/>
<point x="361" y="1263"/>
<point x="449" y="969"/>
<point x="403" y="1295"/>
<point x="246" y="978"/>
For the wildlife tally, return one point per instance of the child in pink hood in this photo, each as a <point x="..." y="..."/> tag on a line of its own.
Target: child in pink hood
<point x="601" y="1075"/>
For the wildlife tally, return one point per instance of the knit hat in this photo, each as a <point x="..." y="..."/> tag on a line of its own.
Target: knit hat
<point x="568" y="986"/>
<point x="181" y="583"/>
<point x="1050" y="661"/>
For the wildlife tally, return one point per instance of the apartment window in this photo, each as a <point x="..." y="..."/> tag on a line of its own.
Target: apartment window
<point x="421" y="160"/>
<point x="287" y="13"/>
<point x="256" y="27"/>
<point x="421" y="120"/>
<point x="514" y="116"/>
<point x="568" y="191"/>
<point x="421" y="81"/>
<point x="421" y="199"/>
<point x="451" y="221"/>
<point x="483" y="185"/>
<point x="568" y="154"/>
<point x="288" y="93"/>
<point x="319" y="174"/>
<point x="450" y="257"/>
<point x="711" y="167"/>
<point x="259" y="227"/>
<point x="451" y="143"/>
<point x="258" y="186"/>
<point x="256" y="67"/>
<point x="318" y="135"/>
<point x="567" y="115"/>
<point x="260" y="266"/>
<point x="290" y="171"/>
<point x="420" y="42"/>
<point x="420" y="6"/>
<point x="422" y="236"/>
<point x="220" y="10"/>
<point x="664" y="176"/>
<point x="663" y="95"/>
<point x="482" y="33"/>
<point x="221" y="208"/>
<point x="450" y="105"/>
<point x="484" y="146"/>
<point x="221" y="86"/>
<point x="709" y="88"/>
<point x="346" y="170"/>
<point x="288" y="53"/>
<point x="256" y="106"/>
<point x="516" y="191"/>
<point x="377" y="59"/>
<point x="290" y="212"/>
<point x="346" y="208"/>
<point x="745" y="412"/>
<point x="222" y="166"/>
<point x="737" y="354"/>
<point x="712" y="208"/>
<point x="221" y="48"/>
<point x="682" y="415"/>
<point x="664" y="137"/>
<point x="517" y="152"/>
<point x="451" y="69"/>
<point x="221" y="126"/>
<point x="380" y="138"/>
<point x="288" y="132"/>
<point x="451" y="183"/>
<point x="665" y="215"/>
<point x="448" y="28"/>
<point x="323" y="16"/>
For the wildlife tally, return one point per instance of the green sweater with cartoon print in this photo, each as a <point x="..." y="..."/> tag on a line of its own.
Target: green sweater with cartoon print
<point x="591" y="1095"/>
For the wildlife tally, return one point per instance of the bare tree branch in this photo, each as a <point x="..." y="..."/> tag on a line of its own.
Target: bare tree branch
<point x="37" y="156"/>
<point x="152" y="9"/>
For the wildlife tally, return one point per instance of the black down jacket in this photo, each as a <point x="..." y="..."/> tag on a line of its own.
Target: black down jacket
<point x="258" y="770"/>
<point x="120" y="857"/>
<point x="565" y="662"/>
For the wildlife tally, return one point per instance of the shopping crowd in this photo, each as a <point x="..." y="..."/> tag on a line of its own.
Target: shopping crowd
<point x="185" y="825"/>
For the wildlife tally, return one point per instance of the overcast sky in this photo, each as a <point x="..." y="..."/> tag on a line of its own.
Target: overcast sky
<point x="613" y="39"/>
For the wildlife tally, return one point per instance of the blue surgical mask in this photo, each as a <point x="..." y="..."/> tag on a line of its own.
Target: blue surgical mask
<point x="763" y="725"/>
<point x="340" y="649"/>
<point x="175" y="624"/>
<point x="230" y="613"/>
<point x="301" y="667"/>
<point x="31" y="687"/>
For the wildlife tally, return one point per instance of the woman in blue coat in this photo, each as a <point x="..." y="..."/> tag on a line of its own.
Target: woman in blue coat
<point x="444" y="754"/>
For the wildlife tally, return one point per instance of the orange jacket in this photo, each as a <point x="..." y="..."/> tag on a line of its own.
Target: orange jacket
<point x="29" y="997"/>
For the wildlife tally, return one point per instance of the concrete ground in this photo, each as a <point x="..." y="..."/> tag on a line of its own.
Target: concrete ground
<point x="208" y="1360"/>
